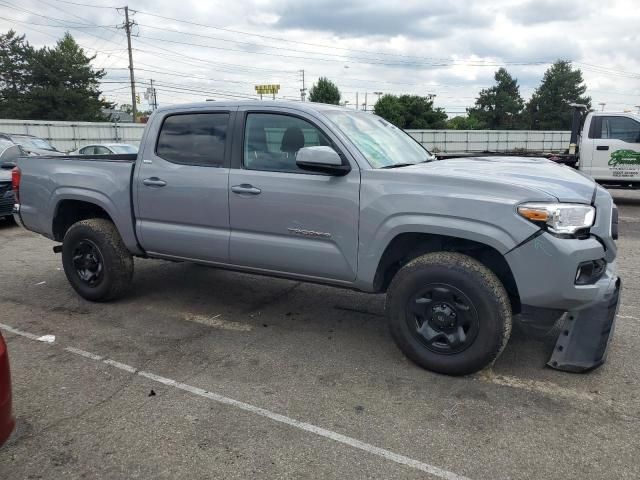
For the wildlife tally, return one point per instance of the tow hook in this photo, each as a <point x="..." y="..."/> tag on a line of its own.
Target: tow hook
<point x="57" y="249"/>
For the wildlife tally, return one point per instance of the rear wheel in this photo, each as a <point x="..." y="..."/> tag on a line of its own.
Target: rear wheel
<point x="96" y="262"/>
<point x="449" y="313"/>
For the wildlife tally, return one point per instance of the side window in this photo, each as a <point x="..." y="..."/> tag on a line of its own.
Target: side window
<point x="271" y="141"/>
<point x="86" y="151"/>
<point x="194" y="139"/>
<point x="101" y="151"/>
<point x="620" y="128"/>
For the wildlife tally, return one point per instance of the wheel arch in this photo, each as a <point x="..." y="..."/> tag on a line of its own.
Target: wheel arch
<point x="72" y="205"/>
<point x="407" y="246"/>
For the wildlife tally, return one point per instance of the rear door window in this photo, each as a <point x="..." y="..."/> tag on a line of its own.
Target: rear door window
<point x="194" y="139"/>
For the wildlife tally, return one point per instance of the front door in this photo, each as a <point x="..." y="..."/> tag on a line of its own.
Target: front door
<point x="182" y="187"/>
<point x="285" y="219"/>
<point x="615" y="148"/>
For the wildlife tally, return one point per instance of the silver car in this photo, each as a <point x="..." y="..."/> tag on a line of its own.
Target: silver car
<point x="106" y="149"/>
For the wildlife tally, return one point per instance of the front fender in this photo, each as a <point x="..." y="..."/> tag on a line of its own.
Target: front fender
<point x="370" y="253"/>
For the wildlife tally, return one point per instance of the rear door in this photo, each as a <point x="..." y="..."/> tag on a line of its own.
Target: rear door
<point x="182" y="207"/>
<point x="285" y="219"/>
<point x="615" y="148"/>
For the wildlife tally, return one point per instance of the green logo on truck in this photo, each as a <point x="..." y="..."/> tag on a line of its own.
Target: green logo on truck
<point x="624" y="157"/>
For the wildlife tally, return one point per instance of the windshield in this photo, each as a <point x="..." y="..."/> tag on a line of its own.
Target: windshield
<point x="382" y="144"/>
<point x="124" y="149"/>
<point x="33" y="142"/>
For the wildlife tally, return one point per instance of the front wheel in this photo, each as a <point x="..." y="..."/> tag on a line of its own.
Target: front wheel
<point x="96" y="262"/>
<point x="449" y="313"/>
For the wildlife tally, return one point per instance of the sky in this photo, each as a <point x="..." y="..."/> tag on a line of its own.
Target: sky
<point x="198" y="50"/>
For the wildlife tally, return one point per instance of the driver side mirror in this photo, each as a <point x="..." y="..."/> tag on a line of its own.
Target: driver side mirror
<point x="321" y="159"/>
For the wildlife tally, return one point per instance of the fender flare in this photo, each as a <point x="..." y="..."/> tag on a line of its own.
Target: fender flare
<point x="468" y="229"/>
<point x="125" y="228"/>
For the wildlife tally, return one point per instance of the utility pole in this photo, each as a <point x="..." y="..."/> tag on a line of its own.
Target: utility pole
<point x="303" y="90"/>
<point x="356" y="100"/>
<point x="365" y="101"/>
<point x="154" y="98"/>
<point x="127" y="28"/>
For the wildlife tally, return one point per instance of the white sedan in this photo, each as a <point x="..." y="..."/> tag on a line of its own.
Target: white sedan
<point x="106" y="149"/>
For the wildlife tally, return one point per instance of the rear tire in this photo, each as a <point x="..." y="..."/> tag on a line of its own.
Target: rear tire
<point x="449" y="313"/>
<point x="96" y="262"/>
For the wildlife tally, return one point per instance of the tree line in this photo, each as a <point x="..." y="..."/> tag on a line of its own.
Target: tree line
<point x="500" y="107"/>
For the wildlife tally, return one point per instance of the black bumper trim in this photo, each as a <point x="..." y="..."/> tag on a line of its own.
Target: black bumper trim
<point x="584" y="343"/>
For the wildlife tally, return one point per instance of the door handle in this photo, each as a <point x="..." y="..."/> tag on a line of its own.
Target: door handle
<point x="602" y="147"/>
<point x="154" y="182"/>
<point x="246" y="188"/>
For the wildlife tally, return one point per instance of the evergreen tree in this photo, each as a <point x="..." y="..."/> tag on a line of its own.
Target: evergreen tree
<point x="500" y="106"/>
<point x="65" y="86"/>
<point x="325" y="91"/>
<point x="16" y="58"/>
<point x="549" y="107"/>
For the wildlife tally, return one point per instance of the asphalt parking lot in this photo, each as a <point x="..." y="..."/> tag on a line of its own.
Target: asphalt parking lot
<point x="201" y="373"/>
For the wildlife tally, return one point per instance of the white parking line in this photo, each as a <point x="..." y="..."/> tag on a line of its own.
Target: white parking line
<point x="307" y="427"/>
<point x="28" y="335"/>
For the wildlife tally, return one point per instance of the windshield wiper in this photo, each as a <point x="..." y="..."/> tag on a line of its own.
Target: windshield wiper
<point x="398" y="165"/>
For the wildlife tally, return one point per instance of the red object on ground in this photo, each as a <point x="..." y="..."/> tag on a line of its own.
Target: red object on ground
<point x="7" y="422"/>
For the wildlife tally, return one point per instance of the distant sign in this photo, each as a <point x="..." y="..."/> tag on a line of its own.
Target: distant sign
<point x="264" y="89"/>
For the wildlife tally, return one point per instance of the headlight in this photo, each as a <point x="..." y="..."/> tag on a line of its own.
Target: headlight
<point x="559" y="218"/>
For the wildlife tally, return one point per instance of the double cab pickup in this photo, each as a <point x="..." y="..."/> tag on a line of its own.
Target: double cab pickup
<point x="461" y="247"/>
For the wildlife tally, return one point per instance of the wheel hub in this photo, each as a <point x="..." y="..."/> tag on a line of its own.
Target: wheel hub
<point x="442" y="318"/>
<point x="87" y="262"/>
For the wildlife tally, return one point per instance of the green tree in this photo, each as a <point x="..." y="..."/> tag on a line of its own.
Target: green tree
<point x="16" y="57"/>
<point x="410" y="111"/>
<point x="549" y="107"/>
<point x="463" y="123"/>
<point x="325" y="91"/>
<point x="389" y="108"/>
<point x="65" y="86"/>
<point x="499" y="107"/>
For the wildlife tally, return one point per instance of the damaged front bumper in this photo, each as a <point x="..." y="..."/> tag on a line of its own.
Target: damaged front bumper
<point x="583" y="343"/>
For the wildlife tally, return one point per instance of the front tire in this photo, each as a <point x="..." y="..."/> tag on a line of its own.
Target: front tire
<point x="449" y="313"/>
<point x="96" y="262"/>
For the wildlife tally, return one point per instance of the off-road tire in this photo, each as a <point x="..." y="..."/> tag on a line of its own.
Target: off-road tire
<point x="117" y="262"/>
<point x="480" y="286"/>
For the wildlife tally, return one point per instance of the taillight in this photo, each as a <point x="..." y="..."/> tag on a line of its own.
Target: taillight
<point x="16" y="174"/>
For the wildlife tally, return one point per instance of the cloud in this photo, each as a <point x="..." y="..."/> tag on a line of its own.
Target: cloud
<point x="423" y="19"/>
<point x="547" y="11"/>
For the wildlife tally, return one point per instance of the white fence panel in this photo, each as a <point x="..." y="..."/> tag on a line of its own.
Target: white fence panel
<point x="67" y="136"/>
<point x="463" y="141"/>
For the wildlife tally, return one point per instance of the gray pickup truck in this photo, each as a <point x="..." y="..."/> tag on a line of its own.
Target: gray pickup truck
<point x="324" y="194"/>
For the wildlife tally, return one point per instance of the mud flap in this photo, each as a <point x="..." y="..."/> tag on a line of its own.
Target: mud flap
<point x="583" y="344"/>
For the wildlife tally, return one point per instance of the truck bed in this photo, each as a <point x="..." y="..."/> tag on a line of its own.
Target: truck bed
<point x="49" y="181"/>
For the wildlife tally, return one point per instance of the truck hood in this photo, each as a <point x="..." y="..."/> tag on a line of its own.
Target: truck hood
<point x="560" y="181"/>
